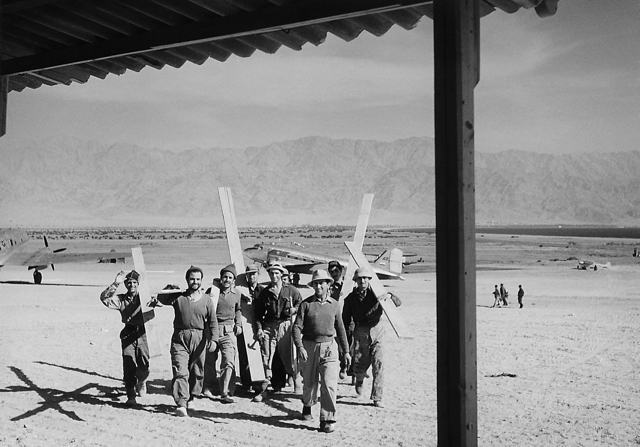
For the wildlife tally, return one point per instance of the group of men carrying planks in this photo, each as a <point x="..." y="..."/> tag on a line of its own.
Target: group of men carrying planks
<point x="303" y="339"/>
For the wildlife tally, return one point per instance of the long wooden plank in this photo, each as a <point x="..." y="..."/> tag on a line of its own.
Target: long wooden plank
<point x="390" y="309"/>
<point x="153" y="337"/>
<point x="252" y="349"/>
<point x="358" y="240"/>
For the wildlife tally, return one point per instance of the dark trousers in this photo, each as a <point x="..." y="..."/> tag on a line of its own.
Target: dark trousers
<point x="135" y="357"/>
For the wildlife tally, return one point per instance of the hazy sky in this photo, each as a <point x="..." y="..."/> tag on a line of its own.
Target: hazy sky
<point x="564" y="84"/>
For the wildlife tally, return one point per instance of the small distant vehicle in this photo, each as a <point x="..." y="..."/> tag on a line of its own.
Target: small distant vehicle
<point x="591" y="265"/>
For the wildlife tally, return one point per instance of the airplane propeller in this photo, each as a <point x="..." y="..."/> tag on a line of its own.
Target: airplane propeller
<point x="46" y="244"/>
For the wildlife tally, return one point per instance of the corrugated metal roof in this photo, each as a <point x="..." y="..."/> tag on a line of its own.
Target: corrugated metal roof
<point x="50" y="42"/>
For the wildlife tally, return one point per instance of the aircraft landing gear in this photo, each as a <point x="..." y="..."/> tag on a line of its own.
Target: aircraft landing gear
<point x="37" y="277"/>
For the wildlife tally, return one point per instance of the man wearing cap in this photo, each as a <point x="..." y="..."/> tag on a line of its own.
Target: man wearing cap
<point x="195" y="311"/>
<point x="273" y="310"/>
<point x="254" y="289"/>
<point x="317" y="326"/>
<point x="336" y="271"/>
<point x="133" y="338"/>
<point x="229" y="316"/>
<point x="362" y="306"/>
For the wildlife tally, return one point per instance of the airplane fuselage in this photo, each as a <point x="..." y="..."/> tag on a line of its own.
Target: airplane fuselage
<point x="10" y="241"/>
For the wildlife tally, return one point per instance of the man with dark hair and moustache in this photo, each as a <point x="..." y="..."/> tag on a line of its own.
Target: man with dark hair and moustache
<point x="194" y="312"/>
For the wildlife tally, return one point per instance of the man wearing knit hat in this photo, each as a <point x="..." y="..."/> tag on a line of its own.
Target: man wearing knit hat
<point x="194" y="312"/>
<point x="273" y="311"/>
<point x="318" y="324"/>
<point x="362" y="306"/>
<point x="229" y="316"/>
<point x="133" y="338"/>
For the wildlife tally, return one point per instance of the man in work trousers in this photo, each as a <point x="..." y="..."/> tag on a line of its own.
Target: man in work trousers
<point x="229" y="319"/>
<point x="135" y="351"/>
<point x="362" y="306"/>
<point x="496" y="296"/>
<point x="504" y="294"/>
<point x="273" y="310"/>
<point x="520" y="295"/>
<point x="254" y="289"/>
<point x="336" y="271"/>
<point x="318" y="324"/>
<point x="194" y="311"/>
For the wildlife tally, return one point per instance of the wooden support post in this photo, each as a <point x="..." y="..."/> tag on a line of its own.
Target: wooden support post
<point x="4" y="90"/>
<point x="456" y="28"/>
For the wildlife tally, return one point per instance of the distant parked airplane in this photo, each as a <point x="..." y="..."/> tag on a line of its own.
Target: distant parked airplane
<point x="12" y="242"/>
<point x="302" y="261"/>
<point x="585" y="265"/>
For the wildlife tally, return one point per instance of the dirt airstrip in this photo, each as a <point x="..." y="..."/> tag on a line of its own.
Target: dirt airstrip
<point x="563" y="370"/>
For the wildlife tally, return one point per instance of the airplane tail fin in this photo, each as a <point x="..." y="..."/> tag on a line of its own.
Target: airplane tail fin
<point x="390" y="260"/>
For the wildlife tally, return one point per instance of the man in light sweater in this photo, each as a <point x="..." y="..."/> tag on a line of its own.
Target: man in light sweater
<point x="318" y="324"/>
<point x="229" y="326"/>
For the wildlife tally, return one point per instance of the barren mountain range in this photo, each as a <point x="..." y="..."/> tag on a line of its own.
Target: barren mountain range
<point x="309" y="181"/>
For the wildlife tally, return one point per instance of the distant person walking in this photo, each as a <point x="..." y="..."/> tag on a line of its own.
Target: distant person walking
<point x="520" y="295"/>
<point x="496" y="296"/>
<point x="318" y="324"/>
<point x="194" y="311"/>
<point x="504" y="294"/>
<point x="133" y="338"/>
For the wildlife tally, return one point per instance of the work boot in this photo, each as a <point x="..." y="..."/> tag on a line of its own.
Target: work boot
<point x="141" y="388"/>
<point x="306" y="413"/>
<point x="378" y="404"/>
<point x="327" y="426"/>
<point x="208" y="393"/>
<point x="359" y="387"/>
<point x="259" y="397"/>
<point x="226" y="399"/>
<point x="181" y="412"/>
<point x="131" y="401"/>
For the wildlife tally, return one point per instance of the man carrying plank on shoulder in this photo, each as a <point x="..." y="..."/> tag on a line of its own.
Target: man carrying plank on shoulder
<point x="229" y="326"/>
<point x="362" y="306"/>
<point x="135" y="350"/>
<point x="254" y="289"/>
<point x="195" y="310"/>
<point x="273" y="310"/>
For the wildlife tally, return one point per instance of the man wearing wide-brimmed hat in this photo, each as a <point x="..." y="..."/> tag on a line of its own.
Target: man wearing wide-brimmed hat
<point x="133" y="338"/>
<point x="228" y="313"/>
<point x="273" y="311"/>
<point x="318" y="324"/>
<point x="362" y="306"/>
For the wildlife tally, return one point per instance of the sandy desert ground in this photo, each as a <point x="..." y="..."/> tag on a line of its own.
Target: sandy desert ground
<point x="564" y="370"/>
